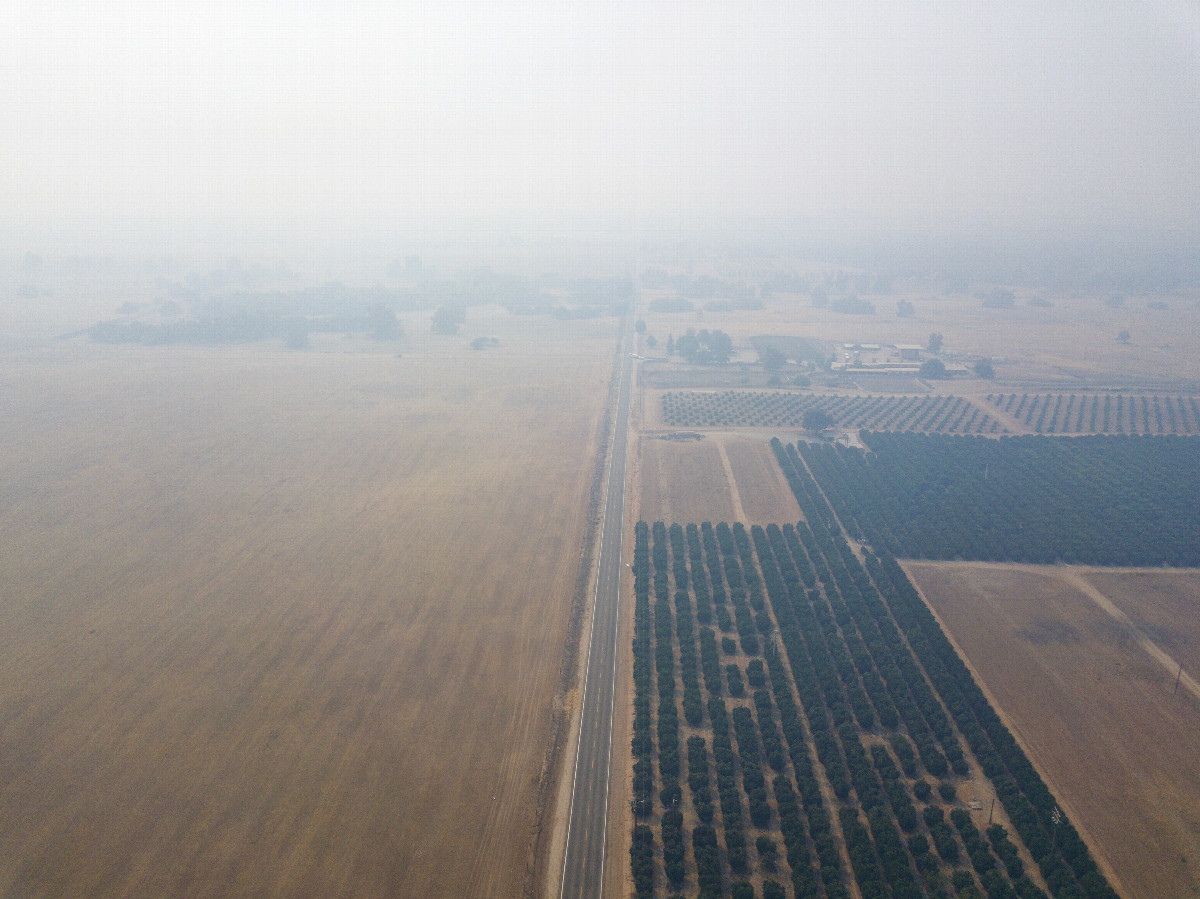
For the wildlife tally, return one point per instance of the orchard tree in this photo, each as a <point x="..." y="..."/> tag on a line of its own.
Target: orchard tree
<point x="817" y="420"/>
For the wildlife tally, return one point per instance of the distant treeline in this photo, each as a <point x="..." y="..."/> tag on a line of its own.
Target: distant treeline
<point x="193" y="316"/>
<point x="245" y="327"/>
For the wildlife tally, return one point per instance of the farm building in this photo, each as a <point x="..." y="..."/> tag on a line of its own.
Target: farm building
<point x="878" y="357"/>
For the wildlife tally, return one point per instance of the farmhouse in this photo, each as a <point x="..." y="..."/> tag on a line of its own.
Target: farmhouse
<point x="877" y="357"/>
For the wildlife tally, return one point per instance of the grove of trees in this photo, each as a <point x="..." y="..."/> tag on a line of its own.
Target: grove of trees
<point x="1092" y="500"/>
<point x="704" y="347"/>
<point x="852" y="705"/>
<point x="758" y="409"/>
<point x="1107" y="413"/>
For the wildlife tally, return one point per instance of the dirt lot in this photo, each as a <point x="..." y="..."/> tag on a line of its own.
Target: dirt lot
<point x="284" y="624"/>
<point x="721" y="477"/>
<point x="765" y="495"/>
<point x="1092" y="707"/>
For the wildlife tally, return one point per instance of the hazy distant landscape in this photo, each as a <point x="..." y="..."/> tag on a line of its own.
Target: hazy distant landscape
<point x="599" y="451"/>
<point x="308" y="605"/>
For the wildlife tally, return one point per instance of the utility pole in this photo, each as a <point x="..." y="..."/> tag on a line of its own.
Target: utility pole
<point x="1177" y="677"/>
<point x="991" y="809"/>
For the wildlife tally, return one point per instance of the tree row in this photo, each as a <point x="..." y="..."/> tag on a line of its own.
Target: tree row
<point x="742" y="408"/>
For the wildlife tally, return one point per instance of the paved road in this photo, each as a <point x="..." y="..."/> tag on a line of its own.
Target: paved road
<point x="583" y="863"/>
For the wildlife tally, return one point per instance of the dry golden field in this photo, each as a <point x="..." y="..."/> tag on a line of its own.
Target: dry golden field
<point x="722" y="477"/>
<point x="1095" y="711"/>
<point x="1163" y="604"/>
<point x="286" y="624"/>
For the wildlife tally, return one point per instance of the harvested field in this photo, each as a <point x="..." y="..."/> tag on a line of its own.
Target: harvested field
<point x="284" y="624"/>
<point x="684" y="481"/>
<point x="718" y="478"/>
<point x="1164" y="605"/>
<point x="1093" y="709"/>
<point x="761" y="485"/>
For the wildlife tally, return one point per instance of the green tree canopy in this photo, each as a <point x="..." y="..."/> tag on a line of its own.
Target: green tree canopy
<point x="933" y="370"/>
<point x="817" y="420"/>
<point x="447" y="319"/>
<point x="704" y="347"/>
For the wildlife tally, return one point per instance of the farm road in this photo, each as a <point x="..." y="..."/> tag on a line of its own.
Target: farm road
<point x="583" y="862"/>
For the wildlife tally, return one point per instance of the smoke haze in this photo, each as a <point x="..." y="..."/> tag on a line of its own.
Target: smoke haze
<point x="340" y="121"/>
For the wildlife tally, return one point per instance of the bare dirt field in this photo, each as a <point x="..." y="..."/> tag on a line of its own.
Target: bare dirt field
<point x="765" y="495"/>
<point x="683" y="481"/>
<point x="285" y="624"/>
<point x="721" y="477"/>
<point x="1163" y="605"/>
<point x="1094" y="710"/>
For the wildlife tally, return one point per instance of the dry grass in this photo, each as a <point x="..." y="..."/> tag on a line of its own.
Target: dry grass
<point x="1163" y="604"/>
<point x="683" y="482"/>
<point x="1094" y="711"/>
<point x="723" y="477"/>
<point x="765" y="495"/>
<point x="282" y="624"/>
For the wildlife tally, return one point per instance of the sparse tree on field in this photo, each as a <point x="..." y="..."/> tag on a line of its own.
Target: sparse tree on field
<point x="382" y="323"/>
<point x="935" y="342"/>
<point x="984" y="369"/>
<point x="447" y="319"/>
<point x="1123" y="335"/>
<point x="296" y="334"/>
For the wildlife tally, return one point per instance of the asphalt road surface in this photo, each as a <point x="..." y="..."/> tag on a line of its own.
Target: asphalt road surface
<point x="583" y="862"/>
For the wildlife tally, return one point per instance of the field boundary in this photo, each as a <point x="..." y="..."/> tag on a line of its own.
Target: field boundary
<point x="1060" y="795"/>
<point x="734" y="494"/>
<point x="1145" y="644"/>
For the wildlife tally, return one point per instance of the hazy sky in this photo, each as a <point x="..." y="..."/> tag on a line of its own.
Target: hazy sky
<point x="341" y="117"/>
